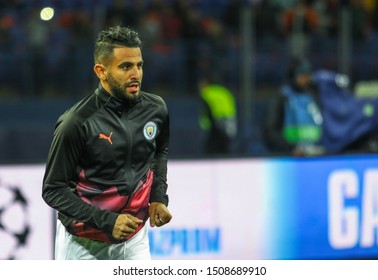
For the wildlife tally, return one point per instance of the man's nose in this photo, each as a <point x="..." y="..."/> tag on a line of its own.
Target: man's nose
<point x="135" y="73"/>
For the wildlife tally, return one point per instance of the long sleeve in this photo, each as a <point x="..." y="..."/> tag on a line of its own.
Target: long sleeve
<point x="60" y="178"/>
<point x="159" y="166"/>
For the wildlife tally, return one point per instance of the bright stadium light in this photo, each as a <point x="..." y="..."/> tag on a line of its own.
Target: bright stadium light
<point x="47" y="13"/>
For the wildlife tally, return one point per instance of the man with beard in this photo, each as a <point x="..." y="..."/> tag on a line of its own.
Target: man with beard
<point x="106" y="172"/>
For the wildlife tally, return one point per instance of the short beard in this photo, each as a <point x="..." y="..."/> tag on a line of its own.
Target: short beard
<point x="118" y="91"/>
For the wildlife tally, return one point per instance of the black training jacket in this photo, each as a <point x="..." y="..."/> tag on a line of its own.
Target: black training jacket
<point x="103" y="150"/>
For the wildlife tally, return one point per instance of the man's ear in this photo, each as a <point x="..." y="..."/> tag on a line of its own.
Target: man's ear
<point x="100" y="71"/>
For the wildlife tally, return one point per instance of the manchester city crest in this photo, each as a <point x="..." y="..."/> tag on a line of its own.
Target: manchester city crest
<point x="150" y="130"/>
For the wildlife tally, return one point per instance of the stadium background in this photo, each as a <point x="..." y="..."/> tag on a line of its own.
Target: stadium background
<point x="253" y="205"/>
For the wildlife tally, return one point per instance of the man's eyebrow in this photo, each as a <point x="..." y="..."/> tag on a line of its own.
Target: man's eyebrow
<point x="128" y="63"/>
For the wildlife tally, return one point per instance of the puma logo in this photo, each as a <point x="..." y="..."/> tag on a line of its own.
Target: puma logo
<point x="109" y="138"/>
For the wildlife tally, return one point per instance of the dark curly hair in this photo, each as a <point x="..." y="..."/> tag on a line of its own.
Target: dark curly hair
<point x="113" y="37"/>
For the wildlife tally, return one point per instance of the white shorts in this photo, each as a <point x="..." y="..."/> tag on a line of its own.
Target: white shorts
<point x="71" y="247"/>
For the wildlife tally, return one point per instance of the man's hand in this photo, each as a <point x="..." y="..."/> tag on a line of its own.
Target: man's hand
<point x="125" y="225"/>
<point x="159" y="214"/>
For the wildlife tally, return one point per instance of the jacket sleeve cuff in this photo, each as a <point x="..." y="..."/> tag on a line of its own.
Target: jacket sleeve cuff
<point x="159" y="197"/>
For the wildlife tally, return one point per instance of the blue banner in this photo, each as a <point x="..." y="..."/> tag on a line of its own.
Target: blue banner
<point x="323" y="208"/>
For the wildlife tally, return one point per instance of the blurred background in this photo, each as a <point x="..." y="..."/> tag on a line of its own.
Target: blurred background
<point x="46" y="59"/>
<point x="281" y="208"/>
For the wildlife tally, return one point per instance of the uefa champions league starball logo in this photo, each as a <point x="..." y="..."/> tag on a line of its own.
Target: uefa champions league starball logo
<point x="14" y="226"/>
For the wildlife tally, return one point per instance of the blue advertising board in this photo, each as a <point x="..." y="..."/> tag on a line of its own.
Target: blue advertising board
<point x="276" y="208"/>
<point x="272" y="208"/>
<point x="323" y="208"/>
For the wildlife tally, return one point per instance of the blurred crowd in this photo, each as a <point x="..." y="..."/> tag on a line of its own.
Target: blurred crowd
<point x="182" y="40"/>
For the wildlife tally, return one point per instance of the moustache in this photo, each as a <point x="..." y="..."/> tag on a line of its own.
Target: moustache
<point x="132" y="83"/>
